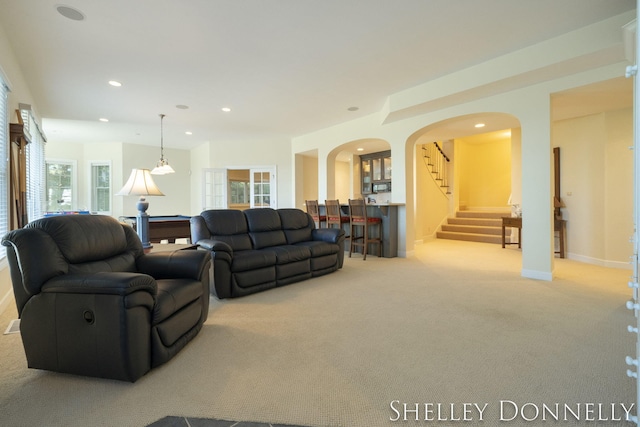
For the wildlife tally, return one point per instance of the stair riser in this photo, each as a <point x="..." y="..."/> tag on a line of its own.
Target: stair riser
<point x="469" y="237"/>
<point x="475" y="226"/>
<point x="476" y="221"/>
<point x="482" y="214"/>
<point x="497" y="231"/>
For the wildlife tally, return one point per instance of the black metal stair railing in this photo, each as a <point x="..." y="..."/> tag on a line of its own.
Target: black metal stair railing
<point x="436" y="161"/>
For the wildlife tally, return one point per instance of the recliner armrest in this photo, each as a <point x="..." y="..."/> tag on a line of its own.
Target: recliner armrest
<point x="102" y="283"/>
<point x="187" y="264"/>
<point x="330" y="235"/>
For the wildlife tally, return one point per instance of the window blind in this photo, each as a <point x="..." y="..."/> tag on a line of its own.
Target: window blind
<point x="35" y="165"/>
<point x="4" y="163"/>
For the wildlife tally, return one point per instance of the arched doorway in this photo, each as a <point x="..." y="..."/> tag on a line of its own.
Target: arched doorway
<point x="481" y="166"/>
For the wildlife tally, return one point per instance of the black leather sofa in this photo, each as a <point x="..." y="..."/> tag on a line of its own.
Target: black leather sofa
<point x="92" y="303"/>
<point x="258" y="249"/>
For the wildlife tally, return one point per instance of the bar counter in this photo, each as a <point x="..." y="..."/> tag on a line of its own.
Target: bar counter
<point x="388" y="212"/>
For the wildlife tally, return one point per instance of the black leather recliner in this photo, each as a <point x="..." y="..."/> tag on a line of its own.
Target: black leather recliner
<point x="92" y="303"/>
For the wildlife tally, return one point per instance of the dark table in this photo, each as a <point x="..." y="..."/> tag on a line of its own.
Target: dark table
<point x="167" y="227"/>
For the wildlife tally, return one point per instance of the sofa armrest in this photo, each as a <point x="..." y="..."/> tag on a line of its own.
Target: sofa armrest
<point x="178" y="264"/>
<point x="215" y="246"/>
<point x="330" y="235"/>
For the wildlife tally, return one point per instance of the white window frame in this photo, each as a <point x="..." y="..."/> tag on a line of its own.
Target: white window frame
<point x="215" y="186"/>
<point x="74" y="179"/>
<point x="91" y="188"/>
<point x="273" y="200"/>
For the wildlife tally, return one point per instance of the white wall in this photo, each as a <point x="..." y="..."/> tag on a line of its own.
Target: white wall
<point x="177" y="197"/>
<point x="251" y="154"/>
<point x="519" y="84"/>
<point x="596" y="169"/>
<point x="123" y="158"/>
<point x="20" y="93"/>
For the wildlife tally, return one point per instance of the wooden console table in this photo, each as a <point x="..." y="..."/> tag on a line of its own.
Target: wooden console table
<point x="559" y="225"/>
<point x="515" y="222"/>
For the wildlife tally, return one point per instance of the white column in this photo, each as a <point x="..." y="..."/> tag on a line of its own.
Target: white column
<point x="537" y="195"/>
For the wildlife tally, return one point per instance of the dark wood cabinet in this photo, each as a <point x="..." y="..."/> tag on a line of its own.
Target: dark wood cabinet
<point x="375" y="170"/>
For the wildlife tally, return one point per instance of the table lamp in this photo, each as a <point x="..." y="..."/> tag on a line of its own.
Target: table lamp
<point x="141" y="184"/>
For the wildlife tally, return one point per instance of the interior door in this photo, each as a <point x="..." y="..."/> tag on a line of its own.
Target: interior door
<point x="263" y="188"/>
<point x="214" y="189"/>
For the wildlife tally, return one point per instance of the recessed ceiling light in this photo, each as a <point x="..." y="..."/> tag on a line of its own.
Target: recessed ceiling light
<point x="115" y="83"/>
<point x="189" y="132"/>
<point x="70" y="13"/>
<point x="360" y="149"/>
<point x="103" y="119"/>
<point x="479" y="125"/>
<point x="353" y="109"/>
<point x="182" y="107"/>
<point x="226" y="109"/>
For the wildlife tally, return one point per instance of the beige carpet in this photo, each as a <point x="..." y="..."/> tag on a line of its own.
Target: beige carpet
<point x="455" y="324"/>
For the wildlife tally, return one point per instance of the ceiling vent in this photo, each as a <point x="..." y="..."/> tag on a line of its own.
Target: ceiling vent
<point x="70" y="12"/>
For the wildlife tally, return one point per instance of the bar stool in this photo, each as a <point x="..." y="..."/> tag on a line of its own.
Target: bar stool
<point x="335" y="215"/>
<point x="359" y="218"/>
<point x="314" y="211"/>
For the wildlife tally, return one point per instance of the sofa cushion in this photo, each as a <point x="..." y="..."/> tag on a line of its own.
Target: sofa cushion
<point x="265" y="228"/>
<point x="318" y="248"/>
<point x="228" y="226"/>
<point x="296" y="224"/>
<point x="251" y="260"/>
<point x="290" y="253"/>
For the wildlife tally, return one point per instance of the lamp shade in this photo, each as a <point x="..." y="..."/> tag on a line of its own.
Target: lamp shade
<point x="162" y="168"/>
<point x="140" y="183"/>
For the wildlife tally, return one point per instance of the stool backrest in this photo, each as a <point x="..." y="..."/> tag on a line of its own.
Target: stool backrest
<point x="313" y="209"/>
<point x="357" y="210"/>
<point x="334" y="216"/>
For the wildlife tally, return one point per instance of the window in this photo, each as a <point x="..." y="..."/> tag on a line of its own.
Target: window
<point x="255" y="187"/>
<point x="101" y="187"/>
<point x="60" y="185"/>
<point x="4" y="164"/>
<point x="35" y="164"/>
<point x="239" y="192"/>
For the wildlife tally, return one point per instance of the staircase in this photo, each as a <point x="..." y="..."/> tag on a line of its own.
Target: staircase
<point x="475" y="226"/>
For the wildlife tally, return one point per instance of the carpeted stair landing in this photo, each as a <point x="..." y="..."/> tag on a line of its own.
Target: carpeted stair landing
<point x="475" y="226"/>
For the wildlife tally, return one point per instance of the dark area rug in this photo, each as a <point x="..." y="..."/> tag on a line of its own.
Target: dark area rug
<point x="210" y="422"/>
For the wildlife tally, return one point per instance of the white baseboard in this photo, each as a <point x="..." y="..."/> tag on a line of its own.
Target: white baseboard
<point x="600" y="262"/>
<point x="538" y="275"/>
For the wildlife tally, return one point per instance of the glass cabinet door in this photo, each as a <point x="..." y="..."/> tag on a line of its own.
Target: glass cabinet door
<point x="386" y="165"/>
<point x="366" y="176"/>
<point x="377" y="169"/>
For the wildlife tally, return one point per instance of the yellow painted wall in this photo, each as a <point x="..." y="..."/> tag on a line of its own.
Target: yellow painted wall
<point x="343" y="181"/>
<point x="596" y="168"/>
<point x="432" y="203"/>
<point x="484" y="170"/>
<point x="310" y="178"/>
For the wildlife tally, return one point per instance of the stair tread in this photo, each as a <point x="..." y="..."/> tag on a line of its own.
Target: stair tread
<point x="482" y="214"/>
<point x="476" y="229"/>
<point x="476" y="221"/>
<point x="471" y="237"/>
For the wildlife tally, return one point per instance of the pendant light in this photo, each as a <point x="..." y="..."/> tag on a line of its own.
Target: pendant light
<point x="162" y="167"/>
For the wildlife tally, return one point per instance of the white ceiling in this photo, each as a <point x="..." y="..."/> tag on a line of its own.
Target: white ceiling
<point x="285" y="67"/>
